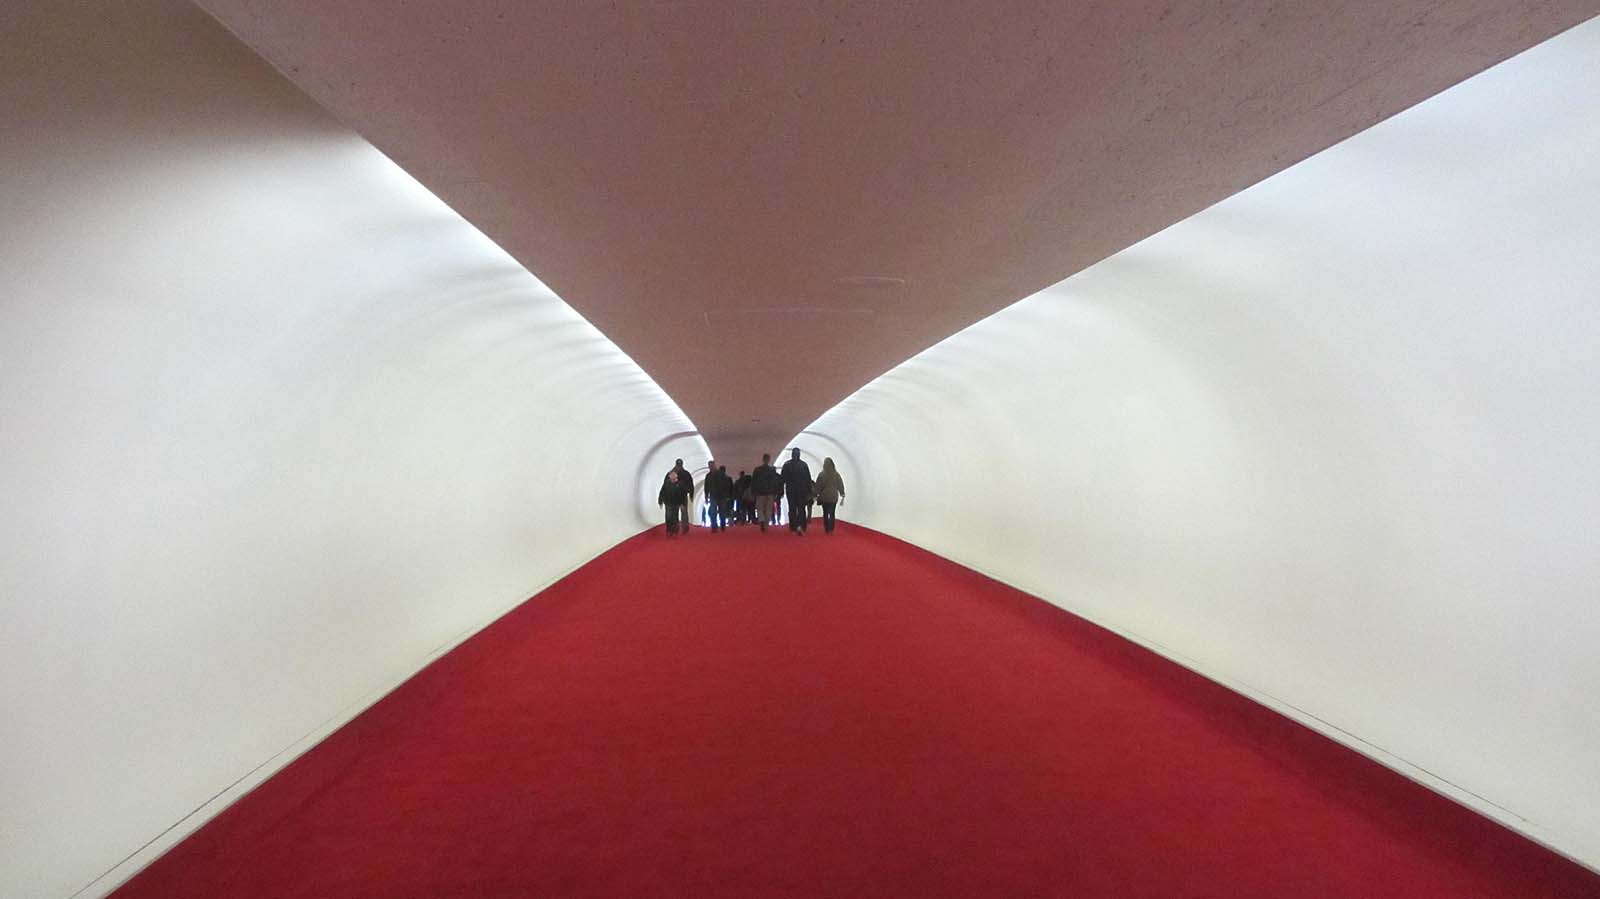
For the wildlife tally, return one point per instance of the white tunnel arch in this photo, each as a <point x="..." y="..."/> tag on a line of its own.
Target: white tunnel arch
<point x="280" y="427"/>
<point x="1330" y="442"/>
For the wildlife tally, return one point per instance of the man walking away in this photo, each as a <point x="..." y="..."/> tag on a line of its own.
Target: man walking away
<point x="797" y="488"/>
<point x="725" y="505"/>
<point x="673" y="496"/>
<point x="766" y="484"/>
<point x="745" y="496"/>
<point x="830" y="489"/>
<point x="714" y="495"/>
<point x="688" y="486"/>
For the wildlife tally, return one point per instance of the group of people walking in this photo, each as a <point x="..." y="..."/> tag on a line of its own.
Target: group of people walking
<point x="753" y="498"/>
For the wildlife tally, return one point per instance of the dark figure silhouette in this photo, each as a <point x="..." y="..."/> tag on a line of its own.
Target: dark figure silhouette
<point x="767" y="486"/>
<point x="797" y="489"/>
<point x="745" y="497"/>
<point x="718" y="490"/>
<point x="688" y="498"/>
<point x="674" y="497"/>
<point x="725" y="506"/>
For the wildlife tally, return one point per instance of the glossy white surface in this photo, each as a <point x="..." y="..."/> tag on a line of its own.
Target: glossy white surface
<point x="276" y="427"/>
<point x="1332" y="441"/>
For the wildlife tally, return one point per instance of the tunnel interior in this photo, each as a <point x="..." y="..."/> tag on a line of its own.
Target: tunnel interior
<point x="282" y="426"/>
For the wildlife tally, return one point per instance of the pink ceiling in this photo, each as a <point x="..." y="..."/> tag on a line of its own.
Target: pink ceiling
<point x="767" y="204"/>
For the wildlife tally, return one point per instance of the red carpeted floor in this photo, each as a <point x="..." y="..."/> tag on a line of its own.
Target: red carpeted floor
<point x="764" y="715"/>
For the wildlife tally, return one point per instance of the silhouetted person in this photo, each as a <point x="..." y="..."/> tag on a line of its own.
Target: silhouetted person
<point x="674" y="497"/>
<point x="766" y="484"/>
<point x="708" y="493"/>
<point x="716" y="495"/>
<point x="688" y="499"/>
<point x="746" y="497"/>
<point x="725" y="504"/>
<point x="797" y="489"/>
<point x="830" y="490"/>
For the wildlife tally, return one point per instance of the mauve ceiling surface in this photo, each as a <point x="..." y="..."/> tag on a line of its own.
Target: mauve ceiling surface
<point x="768" y="204"/>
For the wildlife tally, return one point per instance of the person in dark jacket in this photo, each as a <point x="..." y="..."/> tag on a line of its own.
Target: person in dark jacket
<point x="830" y="490"/>
<point x="708" y="493"/>
<point x="715" y="495"/>
<point x="688" y="482"/>
<point x="797" y="489"/>
<point x="727" y="495"/>
<point x="674" y="496"/>
<point x="767" y="485"/>
<point x="745" y="497"/>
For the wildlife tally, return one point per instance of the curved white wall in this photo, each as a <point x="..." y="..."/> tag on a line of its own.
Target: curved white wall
<point x="1332" y="441"/>
<point x="276" y="427"/>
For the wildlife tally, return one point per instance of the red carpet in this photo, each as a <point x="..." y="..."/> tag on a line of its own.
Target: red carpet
<point x="764" y="715"/>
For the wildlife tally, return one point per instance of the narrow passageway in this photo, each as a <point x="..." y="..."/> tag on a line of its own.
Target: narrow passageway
<point x="749" y="714"/>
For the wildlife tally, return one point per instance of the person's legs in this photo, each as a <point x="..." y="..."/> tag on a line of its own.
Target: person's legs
<point x="672" y="519"/>
<point x="827" y="516"/>
<point x="763" y="510"/>
<point x="797" y="513"/>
